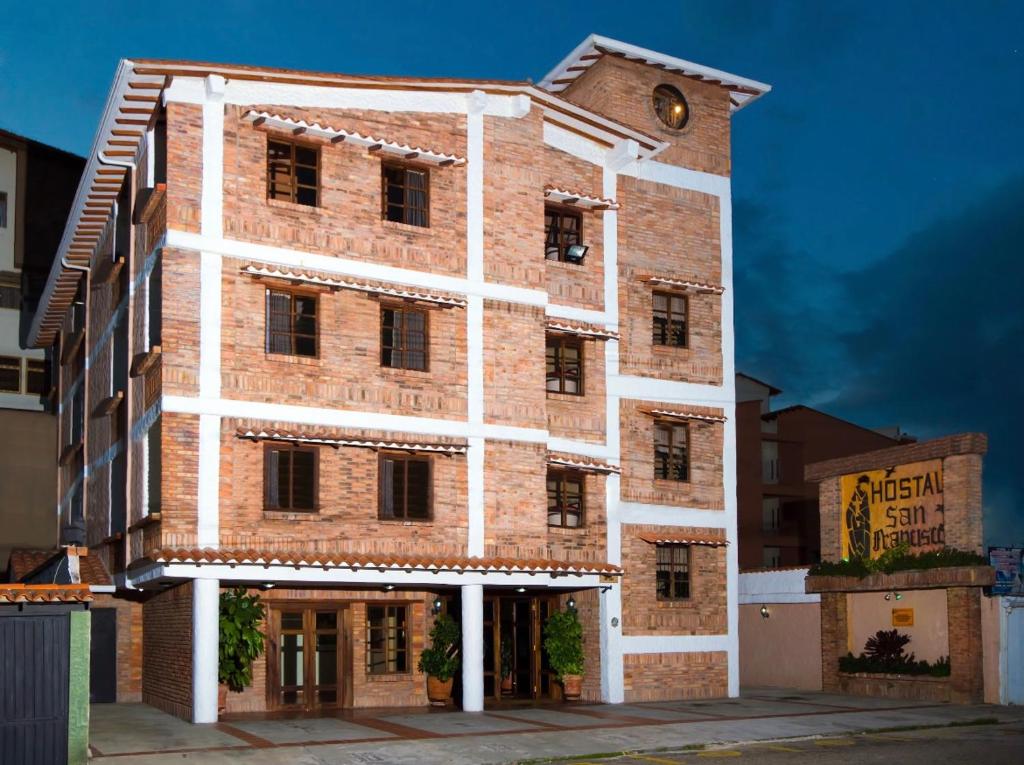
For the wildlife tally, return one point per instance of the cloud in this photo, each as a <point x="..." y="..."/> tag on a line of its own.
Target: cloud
<point x="930" y="335"/>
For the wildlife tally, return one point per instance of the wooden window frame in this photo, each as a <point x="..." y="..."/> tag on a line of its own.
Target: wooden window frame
<point x="562" y="342"/>
<point x="292" y="294"/>
<point x="11" y="363"/>
<point x="405" y="457"/>
<point x="405" y="649"/>
<point x="670" y="427"/>
<point x="405" y="167"/>
<point x="293" y="193"/>
<point x="291" y="448"/>
<point x="673" y="567"/>
<point x="562" y="211"/>
<point x="41" y="364"/>
<point x="669" y="319"/>
<point x="403" y="308"/>
<point x="562" y="475"/>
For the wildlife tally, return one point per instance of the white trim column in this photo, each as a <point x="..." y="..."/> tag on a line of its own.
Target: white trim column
<point x="205" y="643"/>
<point x="472" y="648"/>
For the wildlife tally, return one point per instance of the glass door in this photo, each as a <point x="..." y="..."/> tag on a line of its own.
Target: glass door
<point x="307" y="656"/>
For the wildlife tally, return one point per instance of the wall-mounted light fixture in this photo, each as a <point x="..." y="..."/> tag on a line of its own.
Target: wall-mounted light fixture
<point x="436" y="609"/>
<point x="571" y="603"/>
<point x="898" y="596"/>
<point x="267" y="586"/>
<point x="388" y="587"/>
<point x="765" y="613"/>
<point x="520" y="589"/>
<point x="576" y="253"/>
<point x="888" y="596"/>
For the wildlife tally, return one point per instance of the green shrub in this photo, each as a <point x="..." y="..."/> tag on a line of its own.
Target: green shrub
<point x="883" y="653"/>
<point x="563" y="640"/>
<point x="898" y="558"/>
<point x="241" y="641"/>
<point x="441" y="659"/>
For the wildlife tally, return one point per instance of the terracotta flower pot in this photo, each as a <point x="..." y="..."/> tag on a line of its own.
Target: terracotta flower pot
<point x="222" y="698"/>
<point x="439" y="691"/>
<point x="506" y="685"/>
<point x="572" y="686"/>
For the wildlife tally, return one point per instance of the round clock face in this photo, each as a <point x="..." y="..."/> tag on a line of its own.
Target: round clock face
<point x="670" y="106"/>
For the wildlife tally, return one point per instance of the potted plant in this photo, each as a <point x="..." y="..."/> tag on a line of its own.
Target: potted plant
<point x="506" y="665"/>
<point x="563" y="640"/>
<point x="241" y="641"/>
<point x="441" y="660"/>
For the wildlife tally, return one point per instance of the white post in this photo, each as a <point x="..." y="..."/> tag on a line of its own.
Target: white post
<point x="472" y="648"/>
<point x="205" y="639"/>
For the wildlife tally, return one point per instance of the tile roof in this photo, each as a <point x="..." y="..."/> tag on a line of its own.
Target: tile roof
<point x="45" y="593"/>
<point x="25" y="561"/>
<point x="586" y="464"/>
<point x="339" y="438"/>
<point x="580" y="328"/>
<point x="377" y="561"/>
<point x="683" y="413"/>
<point x="670" y="538"/>
<point x="687" y="285"/>
<point x="590" y="201"/>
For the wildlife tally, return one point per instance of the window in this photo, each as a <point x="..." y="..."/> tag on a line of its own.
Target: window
<point x="35" y="377"/>
<point x="404" y="487"/>
<point x="10" y="374"/>
<point x="403" y="338"/>
<point x="406" y="194"/>
<point x="562" y="229"/>
<point x="673" y="572"/>
<point x="670" y="106"/>
<point x="671" y="451"/>
<point x="770" y="514"/>
<point x="291" y="323"/>
<point x="290" y="478"/>
<point x="670" y="319"/>
<point x="3" y="209"/>
<point x="387" y="640"/>
<point x="770" y="462"/>
<point x="771" y="557"/>
<point x="293" y="173"/>
<point x="564" y="365"/>
<point x="565" y="499"/>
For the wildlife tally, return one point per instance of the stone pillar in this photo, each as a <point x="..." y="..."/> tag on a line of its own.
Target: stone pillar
<point x="472" y="648"/>
<point x="963" y="612"/>
<point x="833" y="638"/>
<point x="205" y="640"/>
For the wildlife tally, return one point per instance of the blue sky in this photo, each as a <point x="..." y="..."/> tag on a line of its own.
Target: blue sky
<point x="878" y="189"/>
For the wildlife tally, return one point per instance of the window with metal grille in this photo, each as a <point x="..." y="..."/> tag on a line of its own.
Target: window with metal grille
<point x="404" y="487"/>
<point x="10" y="374"/>
<point x="403" y="338"/>
<point x="565" y="498"/>
<point x="672" y="451"/>
<point x="670" y="312"/>
<point x="405" y="194"/>
<point x="562" y="229"/>
<point x="293" y="172"/>
<point x="290" y="477"/>
<point x="387" y="640"/>
<point x="564" y="364"/>
<point x="291" y="323"/>
<point x="673" y="572"/>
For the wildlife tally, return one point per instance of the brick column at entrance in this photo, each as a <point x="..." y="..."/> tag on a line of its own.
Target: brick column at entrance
<point x="833" y="638"/>
<point x="963" y="608"/>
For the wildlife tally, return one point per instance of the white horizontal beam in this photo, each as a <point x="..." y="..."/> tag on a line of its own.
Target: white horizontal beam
<point x="674" y="643"/>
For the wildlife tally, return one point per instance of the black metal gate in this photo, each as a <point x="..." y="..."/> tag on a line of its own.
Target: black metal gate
<point x="34" y="689"/>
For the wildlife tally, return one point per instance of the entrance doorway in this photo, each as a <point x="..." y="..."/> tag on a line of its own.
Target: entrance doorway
<point x="309" y="662"/>
<point x="515" y="662"/>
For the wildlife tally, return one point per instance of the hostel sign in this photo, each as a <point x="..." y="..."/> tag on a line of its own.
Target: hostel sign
<point x="885" y="508"/>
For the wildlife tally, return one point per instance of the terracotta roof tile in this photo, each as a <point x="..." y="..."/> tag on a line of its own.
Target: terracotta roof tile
<point x="45" y="593"/>
<point x="671" y="538"/>
<point x="300" y="559"/>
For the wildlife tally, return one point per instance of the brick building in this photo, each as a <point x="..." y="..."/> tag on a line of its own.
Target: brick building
<point x="777" y="506"/>
<point x="381" y="346"/>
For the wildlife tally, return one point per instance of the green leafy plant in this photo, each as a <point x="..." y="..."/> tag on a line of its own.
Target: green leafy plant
<point x="241" y="641"/>
<point x="441" y="659"/>
<point x="883" y="653"/>
<point x="563" y="640"/>
<point x="898" y="558"/>
<point x="886" y="646"/>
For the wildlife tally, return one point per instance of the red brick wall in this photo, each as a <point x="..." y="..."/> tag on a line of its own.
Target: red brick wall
<point x="129" y="645"/>
<point x="662" y="676"/>
<point x="167" y="651"/>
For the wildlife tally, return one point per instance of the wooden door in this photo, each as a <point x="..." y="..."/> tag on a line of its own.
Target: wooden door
<point x="309" y="665"/>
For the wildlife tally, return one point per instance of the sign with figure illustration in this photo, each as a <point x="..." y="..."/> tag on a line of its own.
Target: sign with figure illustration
<point x="901" y="505"/>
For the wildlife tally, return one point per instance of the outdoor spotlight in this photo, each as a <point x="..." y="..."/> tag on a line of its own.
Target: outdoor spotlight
<point x="576" y="253"/>
<point x="267" y="586"/>
<point x="888" y="596"/>
<point x="437" y="605"/>
<point x="520" y="589"/>
<point x="898" y="596"/>
<point x="388" y="587"/>
<point x="571" y="603"/>
<point x="765" y="613"/>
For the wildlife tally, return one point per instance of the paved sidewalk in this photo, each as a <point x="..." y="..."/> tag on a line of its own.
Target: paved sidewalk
<point x="134" y="733"/>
